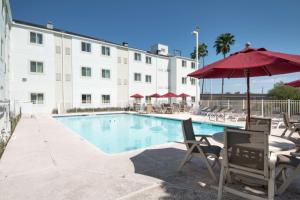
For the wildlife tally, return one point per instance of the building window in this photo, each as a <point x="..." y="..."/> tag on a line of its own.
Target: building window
<point x="193" y="65"/>
<point x="58" y="49"/>
<point x="86" y="71"/>
<point x="68" y="51"/>
<point x="183" y="63"/>
<point x="106" y="73"/>
<point x="86" y="98"/>
<point x="193" y="81"/>
<point x="105" y="51"/>
<point x="193" y="99"/>
<point x="85" y="46"/>
<point x="105" y="99"/>
<point x="36" y="38"/>
<point x="148" y="99"/>
<point x="183" y="80"/>
<point x="36" y="67"/>
<point x="137" y="56"/>
<point x="37" y="98"/>
<point x="125" y="60"/>
<point x="148" y="78"/>
<point x="148" y="60"/>
<point x="137" y="77"/>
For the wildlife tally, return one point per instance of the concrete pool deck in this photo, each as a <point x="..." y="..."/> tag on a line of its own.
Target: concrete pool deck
<point x="45" y="160"/>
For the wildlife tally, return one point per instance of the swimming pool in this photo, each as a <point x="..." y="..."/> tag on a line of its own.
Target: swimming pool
<point x="116" y="133"/>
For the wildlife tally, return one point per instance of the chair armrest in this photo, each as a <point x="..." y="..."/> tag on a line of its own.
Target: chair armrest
<point x="295" y="154"/>
<point x="272" y="161"/>
<point x="202" y="135"/>
<point x="192" y="142"/>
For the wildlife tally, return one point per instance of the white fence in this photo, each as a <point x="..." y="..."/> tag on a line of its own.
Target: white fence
<point x="264" y="108"/>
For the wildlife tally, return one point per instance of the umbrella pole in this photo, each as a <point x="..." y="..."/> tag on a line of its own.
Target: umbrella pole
<point x="248" y="98"/>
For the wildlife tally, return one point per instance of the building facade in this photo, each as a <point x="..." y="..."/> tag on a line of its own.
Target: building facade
<point x="53" y="69"/>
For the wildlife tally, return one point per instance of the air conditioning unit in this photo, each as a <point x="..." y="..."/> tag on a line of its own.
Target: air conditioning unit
<point x="24" y="79"/>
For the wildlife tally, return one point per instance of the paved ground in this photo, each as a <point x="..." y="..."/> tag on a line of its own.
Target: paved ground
<point x="44" y="160"/>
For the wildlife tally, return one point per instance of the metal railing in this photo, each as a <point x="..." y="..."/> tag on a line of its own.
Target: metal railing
<point x="264" y="108"/>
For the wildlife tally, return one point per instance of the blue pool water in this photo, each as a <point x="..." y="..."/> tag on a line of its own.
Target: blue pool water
<point x="117" y="133"/>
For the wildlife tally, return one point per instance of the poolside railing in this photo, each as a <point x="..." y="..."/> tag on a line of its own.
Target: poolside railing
<point x="264" y="108"/>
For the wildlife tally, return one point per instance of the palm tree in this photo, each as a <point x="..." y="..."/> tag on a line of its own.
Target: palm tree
<point x="202" y="53"/>
<point x="222" y="45"/>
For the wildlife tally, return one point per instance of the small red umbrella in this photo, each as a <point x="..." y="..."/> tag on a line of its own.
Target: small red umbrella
<point x="169" y="95"/>
<point x="137" y="96"/>
<point x="250" y="62"/>
<point x="155" y="95"/>
<point x="183" y="95"/>
<point x="294" y="83"/>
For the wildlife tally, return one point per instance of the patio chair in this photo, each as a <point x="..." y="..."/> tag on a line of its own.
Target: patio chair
<point x="290" y="126"/>
<point x="284" y="164"/>
<point x="259" y="124"/>
<point x="214" y="115"/>
<point x="237" y="115"/>
<point x="197" y="148"/>
<point x="246" y="155"/>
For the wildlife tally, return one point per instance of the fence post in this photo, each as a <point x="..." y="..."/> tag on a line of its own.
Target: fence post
<point x="289" y="107"/>
<point x="228" y="104"/>
<point x="262" y="108"/>
<point x="243" y="104"/>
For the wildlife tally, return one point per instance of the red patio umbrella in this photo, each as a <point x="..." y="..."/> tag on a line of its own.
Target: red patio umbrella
<point x="183" y="95"/>
<point x="250" y="62"/>
<point x="169" y="95"/>
<point x="294" y="83"/>
<point x="155" y="95"/>
<point x="137" y="96"/>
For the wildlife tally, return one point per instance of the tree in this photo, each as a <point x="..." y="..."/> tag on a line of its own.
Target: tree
<point x="222" y="45"/>
<point x="202" y="53"/>
<point x="283" y="92"/>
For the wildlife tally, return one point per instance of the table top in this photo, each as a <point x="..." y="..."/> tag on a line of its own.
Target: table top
<point x="276" y="144"/>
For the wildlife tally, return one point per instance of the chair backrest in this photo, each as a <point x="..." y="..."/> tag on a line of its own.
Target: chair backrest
<point x="188" y="131"/>
<point x="246" y="151"/>
<point x="259" y="124"/>
<point x="286" y="120"/>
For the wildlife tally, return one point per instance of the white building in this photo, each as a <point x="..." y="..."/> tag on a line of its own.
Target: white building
<point x="5" y="21"/>
<point x="56" y="69"/>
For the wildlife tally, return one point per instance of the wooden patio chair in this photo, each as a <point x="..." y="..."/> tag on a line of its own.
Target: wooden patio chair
<point x="197" y="148"/>
<point x="259" y="124"/>
<point x="291" y="126"/>
<point x="246" y="154"/>
<point x="284" y="164"/>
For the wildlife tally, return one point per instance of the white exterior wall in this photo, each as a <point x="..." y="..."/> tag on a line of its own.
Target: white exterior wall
<point x="94" y="85"/>
<point x="177" y="72"/>
<point x="158" y="70"/>
<point x="62" y="94"/>
<point x="5" y="20"/>
<point x="22" y="52"/>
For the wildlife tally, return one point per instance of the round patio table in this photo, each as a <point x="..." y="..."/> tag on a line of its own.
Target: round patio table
<point x="276" y="144"/>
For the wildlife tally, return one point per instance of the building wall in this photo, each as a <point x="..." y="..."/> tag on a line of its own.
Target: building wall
<point x="123" y="75"/>
<point x="177" y="73"/>
<point x="22" y="81"/>
<point x="94" y="85"/>
<point x="5" y="20"/>
<point x="62" y="82"/>
<point x="158" y="70"/>
<point x="63" y="72"/>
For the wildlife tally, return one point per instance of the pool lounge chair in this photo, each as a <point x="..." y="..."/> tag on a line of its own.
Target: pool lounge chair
<point x="237" y="115"/>
<point x="246" y="157"/>
<point x="287" y="163"/>
<point x="197" y="148"/>
<point x="216" y="113"/>
<point x="290" y="126"/>
<point x="208" y="110"/>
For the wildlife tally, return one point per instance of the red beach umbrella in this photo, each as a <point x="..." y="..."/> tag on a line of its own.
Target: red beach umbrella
<point x="294" y="83"/>
<point x="137" y="96"/>
<point x="183" y="95"/>
<point x="169" y="95"/>
<point x="250" y="62"/>
<point x="155" y="95"/>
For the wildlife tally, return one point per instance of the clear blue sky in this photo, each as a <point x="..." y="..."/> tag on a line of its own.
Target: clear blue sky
<point x="273" y="24"/>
